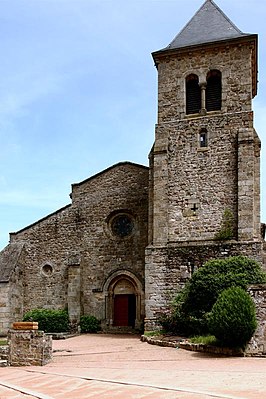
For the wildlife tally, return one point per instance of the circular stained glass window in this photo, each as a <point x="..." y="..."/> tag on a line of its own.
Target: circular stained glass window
<point x="122" y="225"/>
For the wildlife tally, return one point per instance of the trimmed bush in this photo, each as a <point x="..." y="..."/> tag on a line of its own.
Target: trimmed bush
<point x="89" y="324"/>
<point x="49" y="320"/>
<point x="190" y="309"/>
<point x="233" y="317"/>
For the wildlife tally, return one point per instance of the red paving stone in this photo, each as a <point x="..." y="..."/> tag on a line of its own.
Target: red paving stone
<point x="121" y="367"/>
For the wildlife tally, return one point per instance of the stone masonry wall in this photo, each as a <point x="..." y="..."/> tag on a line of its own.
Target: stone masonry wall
<point x="168" y="269"/>
<point x="11" y="299"/>
<point x="257" y="345"/>
<point x="16" y="291"/>
<point x="74" y="295"/>
<point x="220" y="177"/>
<point x="105" y="254"/>
<point x="5" y="313"/>
<point x="216" y="178"/>
<point x="234" y="61"/>
<point x="206" y="178"/>
<point x="248" y="183"/>
<point x="11" y="285"/>
<point x="47" y="247"/>
<point x="78" y="238"/>
<point x="29" y="348"/>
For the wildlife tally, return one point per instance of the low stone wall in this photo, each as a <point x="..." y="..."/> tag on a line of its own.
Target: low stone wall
<point x="216" y="350"/>
<point x="256" y="346"/>
<point x="184" y="344"/>
<point x="29" y="348"/>
<point x="159" y="342"/>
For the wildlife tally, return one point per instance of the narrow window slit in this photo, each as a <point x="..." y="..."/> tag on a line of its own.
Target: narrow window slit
<point x="203" y="139"/>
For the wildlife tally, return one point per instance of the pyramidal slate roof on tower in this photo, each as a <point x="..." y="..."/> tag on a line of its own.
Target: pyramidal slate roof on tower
<point x="209" y="24"/>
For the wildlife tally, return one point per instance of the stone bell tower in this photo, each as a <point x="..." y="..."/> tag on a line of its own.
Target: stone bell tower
<point x="204" y="166"/>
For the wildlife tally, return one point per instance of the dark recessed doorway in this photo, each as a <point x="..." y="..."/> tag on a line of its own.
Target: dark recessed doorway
<point x="124" y="310"/>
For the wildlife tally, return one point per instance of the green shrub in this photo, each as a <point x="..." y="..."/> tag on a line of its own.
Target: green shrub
<point x="215" y="276"/>
<point x="233" y="317"/>
<point x="89" y="324"/>
<point x="49" y="320"/>
<point x="190" y="309"/>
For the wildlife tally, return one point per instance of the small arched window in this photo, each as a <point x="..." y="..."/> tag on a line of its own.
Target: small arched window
<point x="193" y="94"/>
<point x="214" y="91"/>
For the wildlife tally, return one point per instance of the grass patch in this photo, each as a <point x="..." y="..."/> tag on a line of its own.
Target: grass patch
<point x="205" y="339"/>
<point x="3" y="342"/>
<point x="153" y="333"/>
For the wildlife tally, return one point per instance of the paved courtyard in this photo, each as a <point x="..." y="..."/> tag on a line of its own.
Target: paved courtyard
<point x="121" y="367"/>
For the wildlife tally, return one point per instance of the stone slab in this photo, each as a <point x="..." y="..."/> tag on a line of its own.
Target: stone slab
<point x="25" y="325"/>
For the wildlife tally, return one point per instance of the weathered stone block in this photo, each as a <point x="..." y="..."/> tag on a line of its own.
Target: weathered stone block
<point x="29" y="348"/>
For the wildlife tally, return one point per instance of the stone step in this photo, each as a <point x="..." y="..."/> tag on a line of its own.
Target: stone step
<point x="121" y="330"/>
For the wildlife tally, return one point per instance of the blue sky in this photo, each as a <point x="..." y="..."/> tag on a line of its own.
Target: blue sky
<point x="78" y="92"/>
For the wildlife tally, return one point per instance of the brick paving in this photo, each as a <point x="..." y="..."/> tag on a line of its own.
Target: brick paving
<point x="121" y="367"/>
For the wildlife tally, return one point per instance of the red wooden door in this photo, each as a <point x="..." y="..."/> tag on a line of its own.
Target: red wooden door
<point x="121" y="310"/>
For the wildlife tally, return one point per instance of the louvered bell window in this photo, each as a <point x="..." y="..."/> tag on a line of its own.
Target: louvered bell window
<point x="214" y="91"/>
<point x="193" y="95"/>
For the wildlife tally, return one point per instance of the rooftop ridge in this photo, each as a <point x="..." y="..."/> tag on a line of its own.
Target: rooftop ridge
<point x="208" y="24"/>
<point x="225" y="16"/>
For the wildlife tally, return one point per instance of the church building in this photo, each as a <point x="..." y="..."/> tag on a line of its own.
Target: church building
<point x="133" y="235"/>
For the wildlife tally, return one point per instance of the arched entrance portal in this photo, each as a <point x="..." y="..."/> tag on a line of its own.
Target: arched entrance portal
<point x="124" y="301"/>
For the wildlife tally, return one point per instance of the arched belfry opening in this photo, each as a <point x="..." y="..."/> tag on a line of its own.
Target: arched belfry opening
<point x="214" y="90"/>
<point x="124" y="301"/>
<point x="193" y="94"/>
